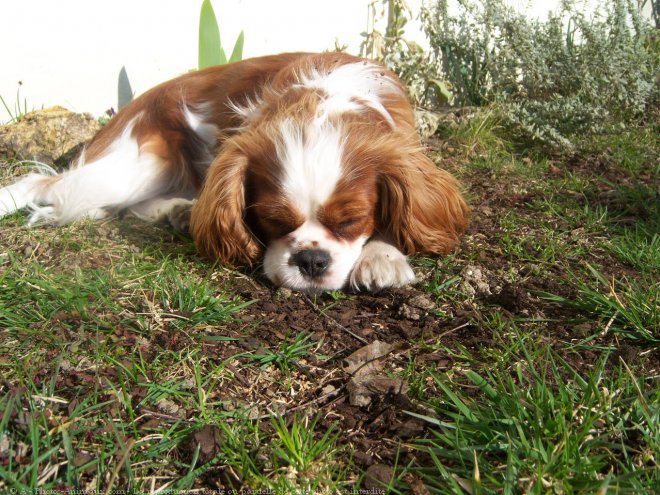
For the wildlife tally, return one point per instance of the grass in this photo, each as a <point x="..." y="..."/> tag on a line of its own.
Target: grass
<point x="630" y="308"/>
<point x="477" y="136"/>
<point x="303" y="462"/>
<point x="638" y="247"/>
<point x="128" y="363"/>
<point x="542" y="427"/>
<point x="287" y="354"/>
<point x="19" y="108"/>
<point x="89" y="439"/>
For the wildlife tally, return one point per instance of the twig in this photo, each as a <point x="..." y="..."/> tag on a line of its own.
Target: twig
<point x="155" y="414"/>
<point x="609" y="324"/>
<point x="444" y="334"/>
<point x="236" y="374"/>
<point x="44" y="398"/>
<point x="335" y="322"/>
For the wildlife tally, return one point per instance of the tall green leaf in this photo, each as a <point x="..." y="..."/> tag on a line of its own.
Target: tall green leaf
<point x="124" y="90"/>
<point x="210" y="47"/>
<point x="237" y="52"/>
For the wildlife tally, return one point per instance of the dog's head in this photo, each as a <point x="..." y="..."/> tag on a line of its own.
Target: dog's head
<point x="325" y="158"/>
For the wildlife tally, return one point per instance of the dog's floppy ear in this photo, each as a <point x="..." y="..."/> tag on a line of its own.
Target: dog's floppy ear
<point x="421" y="207"/>
<point x="217" y="222"/>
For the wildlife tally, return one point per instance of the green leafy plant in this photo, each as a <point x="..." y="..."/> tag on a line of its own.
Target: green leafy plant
<point x="211" y="51"/>
<point x="629" y="308"/>
<point x="571" y="74"/>
<point x="638" y="247"/>
<point x="405" y="57"/>
<point x="299" y="453"/>
<point x="193" y="302"/>
<point x="124" y="90"/>
<point x="286" y="355"/>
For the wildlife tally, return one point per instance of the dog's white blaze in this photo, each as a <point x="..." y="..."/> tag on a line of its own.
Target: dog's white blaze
<point x="311" y="161"/>
<point x="352" y="86"/>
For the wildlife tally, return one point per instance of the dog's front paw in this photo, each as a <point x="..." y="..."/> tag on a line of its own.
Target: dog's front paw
<point x="381" y="265"/>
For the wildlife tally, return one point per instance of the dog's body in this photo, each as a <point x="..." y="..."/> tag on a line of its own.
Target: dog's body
<point x="307" y="161"/>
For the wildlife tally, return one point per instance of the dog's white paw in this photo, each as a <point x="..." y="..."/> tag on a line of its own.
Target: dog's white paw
<point x="381" y="265"/>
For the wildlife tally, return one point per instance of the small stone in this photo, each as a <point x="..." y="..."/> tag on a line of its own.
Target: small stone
<point x="408" y="313"/>
<point x="52" y="136"/>
<point x="475" y="281"/>
<point x="208" y="439"/>
<point x="410" y="429"/>
<point x="283" y="294"/>
<point x="378" y="477"/>
<point x="362" y="391"/>
<point x="168" y="407"/>
<point x="329" y="391"/>
<point x="422" y="302"/>
<point x="363" y="458"/>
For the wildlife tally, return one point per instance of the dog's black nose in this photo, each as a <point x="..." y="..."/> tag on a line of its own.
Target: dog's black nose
<point x="312" y="262"/>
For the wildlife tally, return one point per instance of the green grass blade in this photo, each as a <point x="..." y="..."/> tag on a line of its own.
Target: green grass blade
<point x="481" y="382"/>
<point x="9" y="112"/>
<point x="460" y="405"/>
<point x="237" y="52"/>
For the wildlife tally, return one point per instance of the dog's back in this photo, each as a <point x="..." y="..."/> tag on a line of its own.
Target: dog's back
<point x="153" y="155"/>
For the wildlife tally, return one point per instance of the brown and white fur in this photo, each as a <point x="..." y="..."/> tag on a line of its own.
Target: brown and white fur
<point x="307" y="162"/>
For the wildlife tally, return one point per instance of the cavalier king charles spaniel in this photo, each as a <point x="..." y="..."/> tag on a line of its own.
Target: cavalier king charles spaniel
<point x="307" y="162"/>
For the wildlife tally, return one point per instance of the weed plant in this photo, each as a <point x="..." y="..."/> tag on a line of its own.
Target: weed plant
<point x="20" y="108"/>
<point x="552" y="81"/>
<point x="568" y="75"/>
